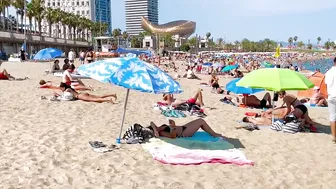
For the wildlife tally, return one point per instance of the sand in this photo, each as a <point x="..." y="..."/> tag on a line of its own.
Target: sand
<point x="44" y="144"/>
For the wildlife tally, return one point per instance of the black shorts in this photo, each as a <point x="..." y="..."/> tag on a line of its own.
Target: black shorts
<point x="301" y="107"/>
<point x="263" y="103"/>
<point x="215" y="85"/>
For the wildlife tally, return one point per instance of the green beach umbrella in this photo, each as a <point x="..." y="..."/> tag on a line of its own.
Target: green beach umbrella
<point x="275" y="79"/>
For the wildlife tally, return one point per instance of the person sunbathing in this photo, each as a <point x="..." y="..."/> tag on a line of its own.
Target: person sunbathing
<point x="186" y="130"/>
<point x="197" y="99"/>
<point x="4" y="75"/>
<point x="318" y="99"/>
<point x="71" y="93"/>
<point x="257" y="120"/>
<point x="48" y="85"/>
<point x="251" y="101"/>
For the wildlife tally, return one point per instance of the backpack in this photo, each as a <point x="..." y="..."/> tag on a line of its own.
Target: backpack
<point x="137" y="134"/>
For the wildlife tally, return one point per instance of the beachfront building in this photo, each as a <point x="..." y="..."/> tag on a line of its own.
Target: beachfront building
<point x="135" y="10"/>
<point x="95" y="10"/>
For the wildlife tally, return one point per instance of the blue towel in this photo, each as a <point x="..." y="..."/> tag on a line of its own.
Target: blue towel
<point x="202" y="137"/>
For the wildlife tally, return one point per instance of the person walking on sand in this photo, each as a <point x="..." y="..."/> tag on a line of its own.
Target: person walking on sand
<point x="330" y="80"/>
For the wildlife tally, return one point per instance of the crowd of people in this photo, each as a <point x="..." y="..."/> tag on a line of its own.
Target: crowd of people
<point x="292" y="105"/>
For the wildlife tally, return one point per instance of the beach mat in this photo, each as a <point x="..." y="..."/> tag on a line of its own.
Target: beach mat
<point x="202" y="148"/>
<point x="310" y="106"/>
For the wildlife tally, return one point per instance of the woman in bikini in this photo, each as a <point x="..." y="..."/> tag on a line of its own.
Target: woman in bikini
<point x="197" y="99"/>
<point x="186" y="130"/>
<point x="86" y="96"/>
<point x="300" y="110"/>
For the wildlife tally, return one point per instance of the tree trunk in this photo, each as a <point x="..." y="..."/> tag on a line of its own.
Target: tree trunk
<point x="30" y="25"/>
<point x="22" y="24"/>
<point x="17" y="22"/>
<point x="40" y="27"/>
<point x="64" y="31"/>
<point x="35" y="25"/>
<point x="49" y="29"/>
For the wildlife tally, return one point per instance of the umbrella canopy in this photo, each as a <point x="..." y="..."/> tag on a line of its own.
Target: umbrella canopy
<point x="232" y="86"/>
<point x="131" y="73"/>
<point x="207" y="64"/>
<point x="275" y="80"/>
<point x="217" y="65"/>
<point x="229" y="68"/>
<point x="48" y="54"/>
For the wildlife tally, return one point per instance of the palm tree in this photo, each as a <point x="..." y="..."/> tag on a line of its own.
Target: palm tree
<point x="295" y="39"/>
<point x="4" y="4"/>
<point x="30" y="15"/>
<point x="208" y="34"/>
<point x="220" y="42"/>
<point x="318" y="40"/>
<point x="39" y="13"/>
<point x="19" y="5"/>
<point x="49" y="16"/>
<point x="125" y="35"/>
<point x="116" y="32"/>
<point x="290" y="41"/>
<point x="57" y="19"/>
<point x="300" y="44"/>
<point x="65" y="22"/>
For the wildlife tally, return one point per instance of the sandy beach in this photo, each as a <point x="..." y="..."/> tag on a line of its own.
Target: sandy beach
<point x="44" y="144"/>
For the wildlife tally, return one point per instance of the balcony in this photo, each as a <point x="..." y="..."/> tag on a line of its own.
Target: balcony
<point x="36" y="39"/>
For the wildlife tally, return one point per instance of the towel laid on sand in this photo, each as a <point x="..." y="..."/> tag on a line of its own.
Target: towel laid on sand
<point x="202" y="148"/>
<point x="313" y="106"/>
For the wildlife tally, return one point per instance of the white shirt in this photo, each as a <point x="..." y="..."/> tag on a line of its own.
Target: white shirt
<point x="71" y="55"/>
<point x="330" y="80"/>
<point x="189" y="73"/>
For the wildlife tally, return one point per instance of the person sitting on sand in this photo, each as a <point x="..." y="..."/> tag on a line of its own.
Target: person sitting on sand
<point x="66" y="64"/>
<point x="238" y="74"/>
<point x="318" y="99"/>
<point x="190" y="74"/>
<point x="186" y="130"/>
<point x="55" y="67"/>
<point x="48" y="85"/>
<point x="68" y="79"/>
<point x="68" y="91"/>
<point x="300" y="110"/>
<point x="214" y="81"/>
<point x="197" y="99"/>
<point x="4" y="75"/>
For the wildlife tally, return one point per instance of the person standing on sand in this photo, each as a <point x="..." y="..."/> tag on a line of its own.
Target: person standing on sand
<point x="330" y="80"/>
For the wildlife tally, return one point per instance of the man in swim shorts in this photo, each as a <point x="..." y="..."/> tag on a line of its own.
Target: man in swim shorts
<point x="68" y="79"/>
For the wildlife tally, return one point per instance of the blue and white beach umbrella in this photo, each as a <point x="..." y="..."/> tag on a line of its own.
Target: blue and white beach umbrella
<point x="48" y="54"/>
<point x="131" y="73"/>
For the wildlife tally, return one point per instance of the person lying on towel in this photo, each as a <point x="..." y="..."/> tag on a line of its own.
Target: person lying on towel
<point x="197" y="99"/>
<point x="71" y="93"/>
<point x="4" y="75"/>
<point x="186" y="130"/>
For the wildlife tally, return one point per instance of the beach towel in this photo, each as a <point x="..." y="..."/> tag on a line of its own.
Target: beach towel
<point x="313" y="106"/>
<point x="173" y="113"/>
<point x="201" y="148"/>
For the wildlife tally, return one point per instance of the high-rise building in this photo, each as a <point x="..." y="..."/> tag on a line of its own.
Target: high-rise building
<point x="135" y="9"/>
<point x="95" y="10"/>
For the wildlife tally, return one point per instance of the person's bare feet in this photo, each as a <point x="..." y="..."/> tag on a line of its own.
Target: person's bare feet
<point x="115" y="96"/>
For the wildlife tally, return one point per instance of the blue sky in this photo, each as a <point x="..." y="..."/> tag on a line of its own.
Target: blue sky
<point x="252" y="19"/>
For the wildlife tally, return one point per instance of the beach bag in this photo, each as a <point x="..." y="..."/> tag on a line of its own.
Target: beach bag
<point x="277" y="126"/>
<point x="137" y="134"/>
<point x="187" y="107"/>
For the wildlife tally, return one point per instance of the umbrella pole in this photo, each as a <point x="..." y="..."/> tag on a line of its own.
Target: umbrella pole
<point x="273" y="108"/>
<point x="123" y="117"/>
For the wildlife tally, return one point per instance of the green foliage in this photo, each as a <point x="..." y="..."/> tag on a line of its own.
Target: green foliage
<point x="192" y="41"/>
<point x="185" y="47"/>
<point x="310" y="46"/>
<point x="265" y="45"/>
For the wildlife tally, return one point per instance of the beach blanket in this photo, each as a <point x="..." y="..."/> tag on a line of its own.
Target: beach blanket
<point x="313" y="106"/>
<point x="201" y="148"/>
<point x="173" y="113"/>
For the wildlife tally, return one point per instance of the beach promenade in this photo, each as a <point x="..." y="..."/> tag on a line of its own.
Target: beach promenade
<point x="44" y="144"/>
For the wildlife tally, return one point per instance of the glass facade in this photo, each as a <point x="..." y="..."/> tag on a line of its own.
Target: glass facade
<point x="103" y="13"/>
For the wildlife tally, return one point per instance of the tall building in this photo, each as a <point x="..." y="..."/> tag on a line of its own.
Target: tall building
<point x="135" y="9"/>
<point x="95" y="10"/>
